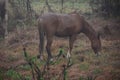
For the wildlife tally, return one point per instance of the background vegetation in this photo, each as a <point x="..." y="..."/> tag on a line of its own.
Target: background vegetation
<point x="26" y="10"/>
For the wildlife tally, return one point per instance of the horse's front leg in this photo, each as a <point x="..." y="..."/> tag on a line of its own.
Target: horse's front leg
<point x="71" y="42"/>
<point x="48" y="47"/>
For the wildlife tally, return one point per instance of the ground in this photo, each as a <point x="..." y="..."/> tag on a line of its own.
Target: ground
<point x="85" y="63"/>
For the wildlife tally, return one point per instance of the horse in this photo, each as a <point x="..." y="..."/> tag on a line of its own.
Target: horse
<point x="65" y="25"/>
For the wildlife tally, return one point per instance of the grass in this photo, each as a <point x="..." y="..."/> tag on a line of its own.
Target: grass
<point x="12" y="58"/>
<point x="97" y="71"/>
<point x="1" y="74"/>
<point x="28" y="77"/>
<point x="13" y="74"/>
<point x="82" y="47"/>
<point x="86" y="78"/>
<point x="84" y="66"/>
<point x="24" y="67"/>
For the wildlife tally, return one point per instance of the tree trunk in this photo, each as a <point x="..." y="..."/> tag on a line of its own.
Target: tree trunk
<point x="29" y="11"/>
<point x="62" y="2"/>
<point x="48" y="6"/>
<point x="107" y="8"/>
<point x="6" y="19"/>
<point x="2" y="18"/>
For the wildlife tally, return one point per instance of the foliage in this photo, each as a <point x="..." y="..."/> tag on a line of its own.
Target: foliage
<point x="20" y="11"/>
<point x="43" y="72"/>
<point x="106" y="7"/>
<point x="13" y="74"/>
<point x="26" y="11"/>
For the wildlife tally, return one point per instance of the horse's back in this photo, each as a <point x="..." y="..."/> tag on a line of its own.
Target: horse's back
<point x="49" y="17"/>
<point x="62" y="24"/>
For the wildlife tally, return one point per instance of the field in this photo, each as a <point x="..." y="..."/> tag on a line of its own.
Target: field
<point x="86" y="65"/>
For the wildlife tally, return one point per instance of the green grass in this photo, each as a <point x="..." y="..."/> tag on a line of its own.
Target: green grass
<point x="13" y="74"/>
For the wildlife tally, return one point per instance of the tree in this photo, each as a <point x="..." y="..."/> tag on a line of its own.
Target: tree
<point x="62" y="2"/>
<point x="3" y="18"/>
<point x="48" y="6"/>
<point x="29" y="10"/>
<point x="106" y="7"/>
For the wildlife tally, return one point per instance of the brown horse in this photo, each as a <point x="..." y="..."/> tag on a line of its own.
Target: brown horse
<point x="65" y="25"/>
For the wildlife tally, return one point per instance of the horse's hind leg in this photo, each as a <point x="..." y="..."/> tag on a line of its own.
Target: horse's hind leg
<point x="71" y="42"/>
<point x="48" y="47"/>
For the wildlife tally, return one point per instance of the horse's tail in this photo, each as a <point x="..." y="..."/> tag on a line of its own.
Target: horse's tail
<point x="41" y="37"/>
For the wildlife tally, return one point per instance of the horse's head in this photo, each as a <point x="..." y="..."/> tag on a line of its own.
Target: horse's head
<point x="96" y="45"/>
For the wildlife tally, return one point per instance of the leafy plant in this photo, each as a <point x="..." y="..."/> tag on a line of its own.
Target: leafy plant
<point x="33" y="66"/>
<point x="45" y="67"/>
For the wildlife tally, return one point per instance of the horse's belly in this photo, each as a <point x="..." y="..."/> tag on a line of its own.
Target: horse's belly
<point x="61" y="34"/>
<point x="66" y="32"/>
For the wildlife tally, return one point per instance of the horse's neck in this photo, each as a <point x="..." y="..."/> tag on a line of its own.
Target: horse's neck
<point x="89" y="32"/>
